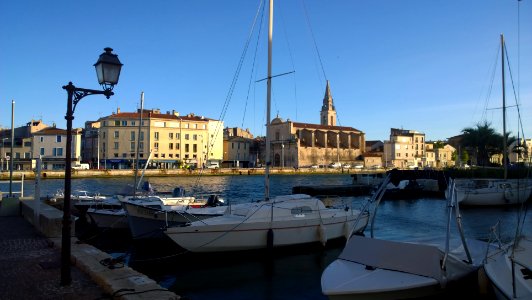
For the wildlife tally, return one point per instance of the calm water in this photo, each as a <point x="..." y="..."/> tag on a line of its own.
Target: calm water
<point x="292" y="275"/>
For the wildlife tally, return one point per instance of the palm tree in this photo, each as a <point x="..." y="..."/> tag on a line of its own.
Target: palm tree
<point x="483" y="142"/>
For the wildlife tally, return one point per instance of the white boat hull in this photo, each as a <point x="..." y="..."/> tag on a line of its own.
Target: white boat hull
<point x="249" y="231"/>
<point x="498" y="269"/>
<point x="496" y="192"/>
<point x="378" y="269"/>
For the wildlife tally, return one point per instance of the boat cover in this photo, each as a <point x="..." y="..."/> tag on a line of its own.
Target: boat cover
<point x="397" y="256"/>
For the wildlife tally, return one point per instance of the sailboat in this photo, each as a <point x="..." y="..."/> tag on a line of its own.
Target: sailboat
<point x="492" y="192"/>
<point x="509" y="270"/>
<point x="372" y="268"/>
<point x="287" y="220"/>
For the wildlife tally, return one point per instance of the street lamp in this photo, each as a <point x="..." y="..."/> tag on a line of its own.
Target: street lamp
<point x="108" y="71"/>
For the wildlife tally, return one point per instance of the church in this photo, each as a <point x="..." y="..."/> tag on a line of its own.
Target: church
<point x="295" y="144"/>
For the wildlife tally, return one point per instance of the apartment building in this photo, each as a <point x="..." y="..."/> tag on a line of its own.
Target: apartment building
<point x="163" y="140"/>
<point x="405" y="149"/>
<point x="50" y="145"/>
<point x="23" y="151"/>
<point x="237" y="147"/>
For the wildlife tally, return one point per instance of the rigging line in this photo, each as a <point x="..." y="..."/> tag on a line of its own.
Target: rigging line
<point x="291" y="57"/>
<point x="235" y="77"/>
<point x="313" y="38"/>
<point x="490" y="87"/>
<point x="253" y="66"/>
<point x="515" y="95"/>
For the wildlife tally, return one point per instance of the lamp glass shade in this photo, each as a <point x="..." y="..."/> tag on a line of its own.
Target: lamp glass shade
<point x="108" y="68"/>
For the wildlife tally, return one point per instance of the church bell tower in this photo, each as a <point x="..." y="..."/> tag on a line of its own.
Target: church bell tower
<point x="328" y="113"/>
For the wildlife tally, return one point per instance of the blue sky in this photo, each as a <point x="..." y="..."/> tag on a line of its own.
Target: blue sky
<point x="412" y="64"/>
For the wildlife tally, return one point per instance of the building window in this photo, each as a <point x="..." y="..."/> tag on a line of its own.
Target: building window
<point x="133" y="123"/>
<point x="132" y="146"/>
<point x="170" y="155"/>
<point x="132" y="135"/>
<point x="194" y="148"/>
<point x="41" y="139"/>
<point x="186" y="148"/>
<point x="141" y="145"/>
<point x="41" y="151"/>
<point x="156" y="146"/>
<point x="177" y="135"/>
<point x="57" y="152"/>
<point x="163" y="155"/>
<point x="58" y="139"/>
<point x="187" y="136"/>
<point x="171" y="146"/>
<point x="103" y="135"/>
<point x="124" y="155"/>
<point x="116" y="145"/>
<point x="117" y="122"/>
<point x="116" y="135"/>
<point x="124" y="123"/>
<point x="177" y="146"/>
<point x="141" y="138"/>
<point x="232" y="145"/>
<point x="156" y="136"/>
<point x="27" y="155"/>
<point x="195" y="137"/>
<point x="115" y="155"/>
<point x="171" y="135"/>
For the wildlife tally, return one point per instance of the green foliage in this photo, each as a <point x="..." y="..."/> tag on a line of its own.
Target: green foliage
<point x="483" y="142"/>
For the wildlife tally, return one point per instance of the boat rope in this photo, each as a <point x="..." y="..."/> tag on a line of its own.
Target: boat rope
<point x="232" y="86"/>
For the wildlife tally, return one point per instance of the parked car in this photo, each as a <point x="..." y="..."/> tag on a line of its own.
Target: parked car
<point x="346" y="166"/>
<point x="359" y="167"/>
<point x="314" y="167"/>
<point x="335" y="165"/>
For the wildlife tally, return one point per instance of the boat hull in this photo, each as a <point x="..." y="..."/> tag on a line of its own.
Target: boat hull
<point x="498" y="269"/>
<point x="104" y="218"/>
<point x="238" y="235"/>
<point x="146" y="222"/>
<point x="493" y="192"/>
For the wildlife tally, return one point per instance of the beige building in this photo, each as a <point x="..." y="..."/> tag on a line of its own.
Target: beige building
<point x="519" y="154"/>
<point x="23" y="147"/>
<point x="237" y="148"/>
<point x="50" y="144"/>
<point x="405" y="149"/>
<point x="444" y="156"/>
<point x="167" y="140"/>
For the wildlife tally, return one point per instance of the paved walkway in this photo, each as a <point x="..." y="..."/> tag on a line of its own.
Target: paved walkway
<point x="30" y="266"/>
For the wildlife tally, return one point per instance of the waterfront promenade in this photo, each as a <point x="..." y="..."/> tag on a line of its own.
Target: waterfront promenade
<point x="30" y="265"/>
<point x="54" y="174"/>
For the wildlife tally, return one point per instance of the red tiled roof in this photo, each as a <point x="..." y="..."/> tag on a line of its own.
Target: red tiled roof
<point x="325" y="127"/>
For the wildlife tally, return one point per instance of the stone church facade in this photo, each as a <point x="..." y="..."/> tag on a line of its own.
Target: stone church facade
<point x="295" y="144"/>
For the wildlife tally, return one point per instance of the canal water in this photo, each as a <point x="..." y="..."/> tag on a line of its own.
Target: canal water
<point x="292" y="274"/>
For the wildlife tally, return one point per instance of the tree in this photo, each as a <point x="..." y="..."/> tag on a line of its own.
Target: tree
<point x="483" y="142"/>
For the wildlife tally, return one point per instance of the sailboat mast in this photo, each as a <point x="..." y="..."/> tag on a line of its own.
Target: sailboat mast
<point x="138" y="143"/>
<point x="505" y="142"/>
<point x="268" y="107"/>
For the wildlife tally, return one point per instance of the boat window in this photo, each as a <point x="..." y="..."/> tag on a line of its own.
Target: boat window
<point x="301" y="210"/>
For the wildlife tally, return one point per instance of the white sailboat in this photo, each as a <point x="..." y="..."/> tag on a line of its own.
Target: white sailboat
<point x="282" y="221"/>
<point x="493" y="192"/>
<point x="371" y="268"/>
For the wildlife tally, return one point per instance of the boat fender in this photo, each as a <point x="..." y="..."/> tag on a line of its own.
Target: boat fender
<point x="269" y="239"/>
<point x="347" y="230"/>
<point x="322" y="234"/>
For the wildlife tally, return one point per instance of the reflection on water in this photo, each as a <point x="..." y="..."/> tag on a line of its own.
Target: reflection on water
<point x="292" y="275"/>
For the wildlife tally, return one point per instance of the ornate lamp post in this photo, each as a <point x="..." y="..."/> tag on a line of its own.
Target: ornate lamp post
<point x="108" y="71"/>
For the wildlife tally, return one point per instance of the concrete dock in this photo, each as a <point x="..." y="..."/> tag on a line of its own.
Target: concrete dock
<point x="30" y="256"/>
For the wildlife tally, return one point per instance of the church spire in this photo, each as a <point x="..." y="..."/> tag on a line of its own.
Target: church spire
<point x="328" y="113"/>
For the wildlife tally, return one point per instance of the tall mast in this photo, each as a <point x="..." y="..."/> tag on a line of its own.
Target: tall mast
<point x="505" y="142"/>
<point x="138" y="142"/>
<point x="268" y="107"/>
